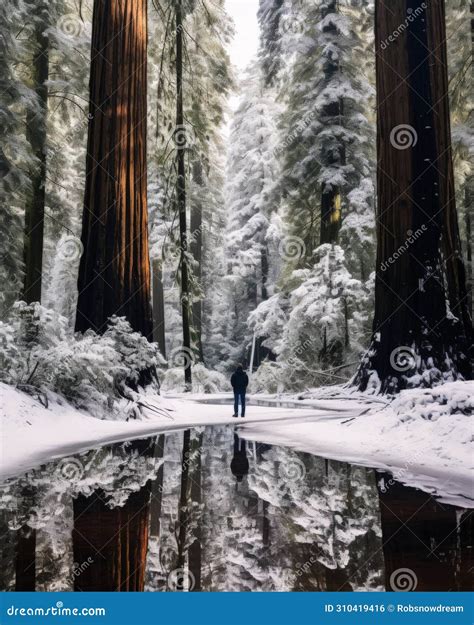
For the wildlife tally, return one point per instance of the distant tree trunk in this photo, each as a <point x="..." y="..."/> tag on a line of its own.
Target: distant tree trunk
<point x="422" y="323"/>
<point x="181" y="197"/>
<point x="330" y="194"/>
<point x="264" y="267"/>
<point x="36" y="136"/>
<point x="196" y="252"/>
<point x="114" y="273"/>
<point x="159" y="328"/>
<point x="263" y="352"/>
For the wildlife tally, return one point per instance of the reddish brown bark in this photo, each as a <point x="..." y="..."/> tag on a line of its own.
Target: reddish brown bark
<point x="420" y="294"/>
<point x="110" y="544"/>
<point x="114" y="274"/>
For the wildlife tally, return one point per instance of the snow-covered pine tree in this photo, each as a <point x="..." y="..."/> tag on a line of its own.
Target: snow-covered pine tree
<point x="270" y="50"/>
<point x="16" y="160"/>
<point x="325" y="134"/>
<point x="251" y="174"/>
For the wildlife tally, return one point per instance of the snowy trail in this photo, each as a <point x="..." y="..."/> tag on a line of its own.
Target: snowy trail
<point x="33" y="435"/>
<point x="431" y="455"/>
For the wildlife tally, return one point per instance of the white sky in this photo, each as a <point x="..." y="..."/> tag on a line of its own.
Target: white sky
<point x="245" y="44"/>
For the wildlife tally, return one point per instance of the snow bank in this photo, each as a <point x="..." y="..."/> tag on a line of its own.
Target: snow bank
<point x="424" y="437"/>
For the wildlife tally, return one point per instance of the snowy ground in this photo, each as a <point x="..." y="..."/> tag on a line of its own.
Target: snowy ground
<point x="423" y="437"/>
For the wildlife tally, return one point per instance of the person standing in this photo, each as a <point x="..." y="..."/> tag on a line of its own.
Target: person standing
<point x="239" y="381"/>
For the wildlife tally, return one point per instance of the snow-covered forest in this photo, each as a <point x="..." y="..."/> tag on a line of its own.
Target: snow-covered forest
<point x="261" y="220"/>
<point x="167" y="213"/>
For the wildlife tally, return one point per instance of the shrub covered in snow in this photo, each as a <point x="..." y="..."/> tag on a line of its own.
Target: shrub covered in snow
<point x="268" y="378"/>
<point x="39" y="353"/>
<point x="204" y="380"/>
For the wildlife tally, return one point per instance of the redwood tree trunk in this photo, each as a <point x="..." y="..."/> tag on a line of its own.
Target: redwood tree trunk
<point x="36" y="136"/>
<point x="422" y="323"/>
<point x="114" y="273"/>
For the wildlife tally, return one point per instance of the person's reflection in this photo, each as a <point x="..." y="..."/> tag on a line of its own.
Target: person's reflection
<point x="239" y="465"/>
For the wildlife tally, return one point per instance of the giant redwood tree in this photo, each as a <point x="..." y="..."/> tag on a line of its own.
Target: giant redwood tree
<point x="114" y="275"/>
<point x="422" y="330"/>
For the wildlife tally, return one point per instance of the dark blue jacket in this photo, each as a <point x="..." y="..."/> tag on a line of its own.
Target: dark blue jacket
<point x="239" y="381"/>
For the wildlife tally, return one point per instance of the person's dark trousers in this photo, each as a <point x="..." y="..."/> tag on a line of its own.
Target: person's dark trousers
<point x="239" y="395"/>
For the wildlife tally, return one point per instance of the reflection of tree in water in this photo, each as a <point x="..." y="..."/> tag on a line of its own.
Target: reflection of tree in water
<point x="116" y="471"/>
<point x="178" y="545"/>
<point x="272" y="529"/>
<point x="325" y="518"/>
<point x="432" y="540"/>
<point x="257" y="518"/>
